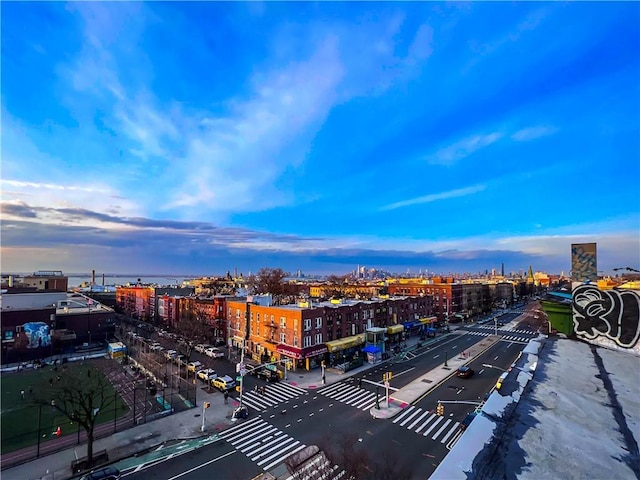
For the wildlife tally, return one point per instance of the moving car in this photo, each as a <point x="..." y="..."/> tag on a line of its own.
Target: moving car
<point x="223" y="383"/>
<point x="266" y="374"/>
<point x="214" y="352"/>
<point x="201" y="347"/>
<point x="465" y="372"/>
<point x="206" y="374"/>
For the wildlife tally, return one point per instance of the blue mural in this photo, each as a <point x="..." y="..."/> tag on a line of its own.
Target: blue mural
<point x="38" y="334"/>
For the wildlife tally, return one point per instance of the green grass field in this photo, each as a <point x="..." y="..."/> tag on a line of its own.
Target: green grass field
<point x="19" y="419"/>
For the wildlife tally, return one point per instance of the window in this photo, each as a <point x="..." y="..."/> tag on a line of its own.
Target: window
<point x="283" y="322"/>
<point x="271" y="318"/>
<point x="307" y="324"/>
<point x="306" y="342"/>
<point x="295" y="324"/>
<point x="258" y="317"/>
<point x="295" y="341"/>
<point x="283" y="338"/>
<point x="237" y="313"/>
<point x="319" y="322"/>
<point x="318" y="338"/>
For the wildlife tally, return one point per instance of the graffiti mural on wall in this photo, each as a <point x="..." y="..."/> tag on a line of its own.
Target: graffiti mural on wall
<point x="614" y="314"/>
<point x="584" y="262"/>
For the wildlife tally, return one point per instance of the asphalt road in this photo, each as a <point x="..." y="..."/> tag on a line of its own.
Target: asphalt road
<point x="410" y="445"/>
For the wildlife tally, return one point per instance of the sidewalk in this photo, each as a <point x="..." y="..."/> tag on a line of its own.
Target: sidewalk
<point x="430" y="380"/>
<point x="173" y="428"/>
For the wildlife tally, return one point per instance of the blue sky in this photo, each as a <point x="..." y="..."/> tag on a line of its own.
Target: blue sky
<point x="199" y="137"/>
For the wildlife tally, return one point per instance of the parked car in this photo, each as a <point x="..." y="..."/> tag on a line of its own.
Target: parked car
<point x="106" y="473"/>
<point x="194" y="366"/>
<point x="465" y="372"/>
<point x="170" y="354"/>
<point x="206" y="374"/>
<point x="223" y="383"/>
<point x="214" y="352"/>
<point x="201" y="347"/>
<point x="220" y="342"/>
<point x="180" y="359"/>
<point x="467" y="421"/>
<point x="156" y="347"/>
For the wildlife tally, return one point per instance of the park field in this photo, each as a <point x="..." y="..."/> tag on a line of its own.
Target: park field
<point x="23" y="423"/>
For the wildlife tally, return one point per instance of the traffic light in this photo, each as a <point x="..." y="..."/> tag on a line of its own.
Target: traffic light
<point x="440" y="409"/>
<point x="207" y="404"/>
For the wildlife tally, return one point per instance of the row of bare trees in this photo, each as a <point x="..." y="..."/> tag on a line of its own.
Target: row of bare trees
<point x="335" y="453"/>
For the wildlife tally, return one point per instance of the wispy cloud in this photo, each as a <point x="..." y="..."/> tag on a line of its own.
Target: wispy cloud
<point x="533" y="133"/>
<point x="463" y="148"/>
<point x="434" y="197"/>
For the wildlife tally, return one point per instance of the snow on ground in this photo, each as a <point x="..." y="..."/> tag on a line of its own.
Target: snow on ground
<point x="578" y="418"/>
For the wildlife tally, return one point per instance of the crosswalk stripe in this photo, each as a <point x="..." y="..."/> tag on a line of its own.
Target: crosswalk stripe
<point x="431" y="417"/>
<point x="273" y="464"/>
<point x="281" y="447"/>
<point x="406" y="412"/>
<point x="438" y="420"/>
<point x="239" y="437"/>
<point x="369" y="405"/>
<point x="435" y="435"/>
<point x="248" y="443"/>
<point x="241" y="427"/>
<point x="277" y="438"/>
<point x="370" y="397"/>
<point x="424" y="413"/>
<point x="358" y="397"/>
<point x="403" y="423"/>
<point x="451" y="432"/>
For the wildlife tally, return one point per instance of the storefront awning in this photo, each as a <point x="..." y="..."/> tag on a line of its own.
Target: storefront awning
<point x="408" y="325"/>
<point x="395" y="329"/>
<point x="289" y="351"/>
<point x="344" y="343"/>
<point x="371" y="349"/>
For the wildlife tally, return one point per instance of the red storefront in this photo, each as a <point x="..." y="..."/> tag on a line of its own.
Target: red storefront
<point x="307" y="358"/>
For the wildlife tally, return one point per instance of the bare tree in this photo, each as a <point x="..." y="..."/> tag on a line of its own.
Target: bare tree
<point x="335" y="286"/>
<point x="80" y="392"/>
<point x="272" y="281"/>
<point x="193" y="328"/>
<point x="344" y="451"/>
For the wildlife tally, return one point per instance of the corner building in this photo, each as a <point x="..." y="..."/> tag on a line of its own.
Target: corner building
<point x="309" y="333"/>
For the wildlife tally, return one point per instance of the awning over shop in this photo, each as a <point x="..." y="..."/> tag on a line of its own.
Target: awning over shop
<point x="300" y="353"/>
<point x="344" y="343"/>
<point x="428" y="320"/>
<point x="408" y="325"/>
<point x="371" y="349"/>
<point x="313" y="351"/>
<point x="395" y="329"/>
<point x="289" y="351"/>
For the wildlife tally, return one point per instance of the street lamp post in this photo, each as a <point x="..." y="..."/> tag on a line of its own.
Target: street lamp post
<point x="446" y="354"/>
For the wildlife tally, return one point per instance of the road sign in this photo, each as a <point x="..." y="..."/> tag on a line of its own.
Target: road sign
<point x="238" y="378"/>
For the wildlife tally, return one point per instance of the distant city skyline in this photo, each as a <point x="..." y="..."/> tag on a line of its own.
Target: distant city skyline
<point x="200" y="137"/>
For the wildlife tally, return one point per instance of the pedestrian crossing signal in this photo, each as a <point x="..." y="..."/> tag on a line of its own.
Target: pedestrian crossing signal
<point x="207" y="404"/>
<point x="440" y="409"/>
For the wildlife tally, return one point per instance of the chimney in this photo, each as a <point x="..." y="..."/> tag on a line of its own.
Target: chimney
<point x="93" y="277"/>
